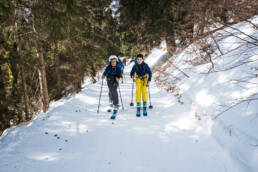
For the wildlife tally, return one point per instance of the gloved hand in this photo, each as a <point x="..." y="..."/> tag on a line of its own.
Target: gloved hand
<point x="117" y="79"/>
<point x="102" y="77"/>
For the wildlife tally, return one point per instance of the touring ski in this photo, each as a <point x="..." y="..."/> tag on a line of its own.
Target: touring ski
<point x="144" y="109"/>
<point x="138" y="112"/>
<point x="113" y="116"/>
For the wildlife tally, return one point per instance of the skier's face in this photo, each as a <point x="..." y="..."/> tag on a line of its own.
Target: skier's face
<point x="139" y="60"/>
<point x="113" y="63"/>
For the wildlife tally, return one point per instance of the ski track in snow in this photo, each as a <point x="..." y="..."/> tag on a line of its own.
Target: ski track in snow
<point x="73" y="137"/>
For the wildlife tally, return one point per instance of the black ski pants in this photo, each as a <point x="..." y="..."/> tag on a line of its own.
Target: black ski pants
<point x="113" y="95"/>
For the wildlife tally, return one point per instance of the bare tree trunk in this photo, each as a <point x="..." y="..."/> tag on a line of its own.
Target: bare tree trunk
<point x="42" y="71"/>
<point x="78" y="84"/>
<point x="21" y="70"/>
<point x="5" y="123"/>
<point x="43" y="81"/>
<point x="25" y="95"/>
<point x="93" y="72"/>
<point x="57" y="69"/>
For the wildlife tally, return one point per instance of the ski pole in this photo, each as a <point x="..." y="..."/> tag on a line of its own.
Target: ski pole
<point x="100" y="95"/>
<point x="131" y="104"/>
<point x="121" y="97"/>
<point x="122" y="72"/>
<point x="124" y="78"/>
<point x="150" y="106"/>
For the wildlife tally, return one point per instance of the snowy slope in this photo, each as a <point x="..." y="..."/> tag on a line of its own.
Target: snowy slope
<point x="222" y="94"/>
<point x="73" y="137"/>
<point x="169" y="139"/>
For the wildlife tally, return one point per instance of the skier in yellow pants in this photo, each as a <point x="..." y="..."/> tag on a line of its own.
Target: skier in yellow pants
<point x="142" y="79"/>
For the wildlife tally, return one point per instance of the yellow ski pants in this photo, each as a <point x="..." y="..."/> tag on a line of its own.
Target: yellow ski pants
<point x="141" y="89"/>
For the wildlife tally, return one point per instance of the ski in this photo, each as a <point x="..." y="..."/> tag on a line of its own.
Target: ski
<point x="144" y="109"/>
<point x="145" y="112"/>
<point x="138" y="112"/>
<point x="113" y="116"/>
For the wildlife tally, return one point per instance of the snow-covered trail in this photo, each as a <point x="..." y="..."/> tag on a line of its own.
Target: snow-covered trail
<point x="73" y="137"/>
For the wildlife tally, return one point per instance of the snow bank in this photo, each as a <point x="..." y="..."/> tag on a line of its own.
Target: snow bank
<point x="221" y="93"/>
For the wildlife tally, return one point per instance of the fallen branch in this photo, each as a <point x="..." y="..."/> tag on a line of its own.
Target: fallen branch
<point x="242" y="101"/>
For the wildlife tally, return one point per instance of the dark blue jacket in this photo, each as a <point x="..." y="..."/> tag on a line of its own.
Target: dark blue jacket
<point x="112" y="72"/>
<point x="141" y="70"/>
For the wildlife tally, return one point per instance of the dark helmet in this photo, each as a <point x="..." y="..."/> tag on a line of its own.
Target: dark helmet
<point x="139" y="56"/>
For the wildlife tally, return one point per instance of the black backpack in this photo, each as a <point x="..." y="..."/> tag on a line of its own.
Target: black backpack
<point x="140" y="73"/>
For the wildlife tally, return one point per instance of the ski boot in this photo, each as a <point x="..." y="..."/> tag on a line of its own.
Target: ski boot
<point x="110" y="107"/>
<point x="145" y="109"/>
<point x="138" y="111"/>
<point x="113" y="116"/>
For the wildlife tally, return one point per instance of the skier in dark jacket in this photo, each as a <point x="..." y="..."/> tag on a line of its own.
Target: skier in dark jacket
<point x="124" y="61"/>
<point x="121" y="66"/>
<point x="142" y="79"/>
<point x="113" y="74"/>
